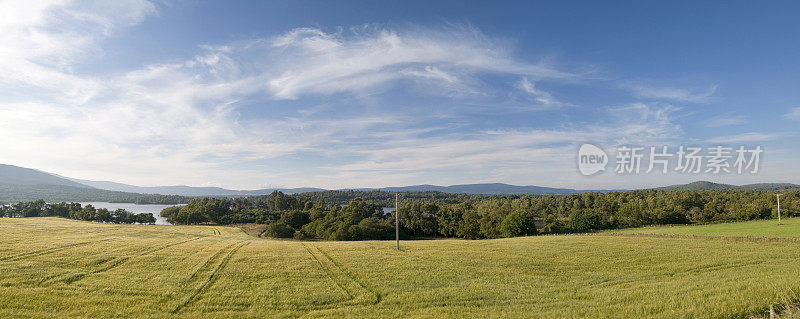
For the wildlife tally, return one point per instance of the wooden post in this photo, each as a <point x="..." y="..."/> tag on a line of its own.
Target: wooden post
<point x="397" y="220"/>
<point x="779" y="208"/>
<point x="771" y="312"/>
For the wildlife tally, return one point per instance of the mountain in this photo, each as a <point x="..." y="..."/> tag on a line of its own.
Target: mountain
<point x="19" y="183"/>
<point x="188" y="190"/>
<point x="15" y="175"/>
<point x="706" y="185"/>
<point x="484" y="189"/>
<point x="61" y="193"/>
<point x="25" y="184"/>
<point x="771" y="186"/>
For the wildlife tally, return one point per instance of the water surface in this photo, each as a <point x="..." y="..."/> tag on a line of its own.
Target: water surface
<point x="134" y="208"/>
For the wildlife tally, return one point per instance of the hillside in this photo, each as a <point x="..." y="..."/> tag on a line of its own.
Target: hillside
<point x="15" y="175"/>
<point x="484" y="189"/>
<point x="25" y="184"/>
<point x="183" y="190"/>
<point x="59" y="193"/>
<point x="706" y="186"/>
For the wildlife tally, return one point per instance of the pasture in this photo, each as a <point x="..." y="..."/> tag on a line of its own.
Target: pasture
<point x="65" y="268"/>
<point x="789" y="228"/>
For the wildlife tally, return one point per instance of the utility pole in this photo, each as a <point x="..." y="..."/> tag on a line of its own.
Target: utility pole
<point x="779" y="207"/>
<point x="397" y="219"/>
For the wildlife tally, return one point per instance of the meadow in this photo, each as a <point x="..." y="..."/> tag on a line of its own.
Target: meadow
<point x="789" y="228"/>
<point x="52" y="267"/>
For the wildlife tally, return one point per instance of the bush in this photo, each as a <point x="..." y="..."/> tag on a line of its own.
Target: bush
<point x="373" y="228"/>
<point x="279" y="230"/>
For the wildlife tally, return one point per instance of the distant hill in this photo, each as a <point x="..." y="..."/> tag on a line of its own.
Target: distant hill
<point x="485" y="189"/>
<point x="20" y="184"/>
<point x="705" y="185"/>
<point x="188" y="190"/>
<point x="61" y="193"/>
<point x="15" y="175"/>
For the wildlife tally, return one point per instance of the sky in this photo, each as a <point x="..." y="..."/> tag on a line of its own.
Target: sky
<point x="342" y="94"/>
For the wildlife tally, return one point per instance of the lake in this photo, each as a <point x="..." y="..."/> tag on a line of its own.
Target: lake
<point x="134" y="208"/>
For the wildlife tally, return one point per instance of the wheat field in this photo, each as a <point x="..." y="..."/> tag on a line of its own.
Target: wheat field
<point x="52" y="267"/>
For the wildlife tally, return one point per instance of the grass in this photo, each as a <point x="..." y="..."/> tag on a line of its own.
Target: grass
<point x="62" y="268"/>
<point x="789" y="228"/>
<point x="252" y="229"/>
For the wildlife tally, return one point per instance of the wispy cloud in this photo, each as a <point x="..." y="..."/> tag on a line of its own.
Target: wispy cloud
<point x="725" y="120"/>
<point x="312" y="61"/>
<point x="671" y="93"/>
<point x="539" y="96"/>
<point x="744" y="138"/>
<point x="364" y="106"/>
<point x="42" y="39"/>
<point x="182" y="121"/>
<point x="793" y="114"/>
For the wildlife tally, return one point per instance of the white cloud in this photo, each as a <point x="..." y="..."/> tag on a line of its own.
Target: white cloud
<point x="793" y="114"/>
<point x="190" y="121"/>
<point x="509" y="155"/>
<point x="725" y="120"/>
<point x="671" y="93"/>
<point x="40" y="40"/>
<point x="538" y="95"/>
<point x="312" y="61"/>
<point x="744" y="138"/>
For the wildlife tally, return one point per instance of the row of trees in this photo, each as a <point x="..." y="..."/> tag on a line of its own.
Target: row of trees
<point x="305" y="216"/>
<point x="40" y="208"/>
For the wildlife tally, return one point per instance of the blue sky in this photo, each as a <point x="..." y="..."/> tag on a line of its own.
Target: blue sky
<point x="359" y="94"/>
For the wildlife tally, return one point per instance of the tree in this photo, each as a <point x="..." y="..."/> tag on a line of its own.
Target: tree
<point x="584" y="220"/>
<point x="373" y="228"/>
<point x="295" y="218"/>
<point x="103" y="215"/>
<point x="470" y="225"/>
<point x="279" y="230"/>
<point x="518" y="223"/>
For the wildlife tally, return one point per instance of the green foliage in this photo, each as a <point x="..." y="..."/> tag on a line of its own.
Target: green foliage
<point x="585" y="219"/>
<point x="279" y="230"/>
<point x="58" y="193"/>
<point x="320" y="215"/>
<point x="74" y="211"/>
<point x="518" y="223"/>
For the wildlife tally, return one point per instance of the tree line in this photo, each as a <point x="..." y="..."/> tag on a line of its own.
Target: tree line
<point x="40" y="208"/>
<point x="323" y="215"/>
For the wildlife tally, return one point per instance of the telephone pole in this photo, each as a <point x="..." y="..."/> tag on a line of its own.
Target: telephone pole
<point x="779" y="207"/>
<point x="397" y="219"/>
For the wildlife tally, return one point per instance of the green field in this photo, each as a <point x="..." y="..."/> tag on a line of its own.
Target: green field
<point x="790" y="227"/>
<point x="63" y="268"/>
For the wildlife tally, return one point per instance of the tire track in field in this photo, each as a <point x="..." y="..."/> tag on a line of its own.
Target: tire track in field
<point x="377" y="297"/>
<point x="212" y="277"/>
<point x="328" y="273"/>
<point x="50" y="250"/>
<point x="113" y="263"/>
<point x="208" y="263"/>
<point x="357" y="292"/>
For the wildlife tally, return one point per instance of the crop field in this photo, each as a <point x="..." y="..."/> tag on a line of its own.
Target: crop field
<point x="64" y="268"/>
<point x="789" y="228"/>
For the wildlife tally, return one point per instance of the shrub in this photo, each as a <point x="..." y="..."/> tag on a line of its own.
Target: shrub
<point x="279" y="230"/>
